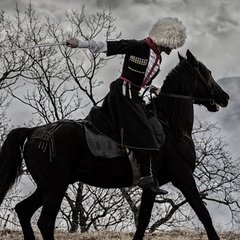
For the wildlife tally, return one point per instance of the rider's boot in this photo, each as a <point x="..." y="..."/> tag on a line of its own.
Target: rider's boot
<point x="147" y="181"/>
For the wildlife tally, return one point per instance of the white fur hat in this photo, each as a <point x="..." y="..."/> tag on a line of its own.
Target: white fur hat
<point x="168" y="32"/>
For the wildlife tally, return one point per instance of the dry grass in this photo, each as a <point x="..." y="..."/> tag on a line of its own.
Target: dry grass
<point x="6" y="234"/>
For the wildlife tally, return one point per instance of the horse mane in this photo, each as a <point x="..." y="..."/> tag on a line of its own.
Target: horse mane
<point x="173" y="110"/>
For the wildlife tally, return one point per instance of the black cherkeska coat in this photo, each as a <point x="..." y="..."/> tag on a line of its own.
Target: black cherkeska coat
<point x="122" y="116"/>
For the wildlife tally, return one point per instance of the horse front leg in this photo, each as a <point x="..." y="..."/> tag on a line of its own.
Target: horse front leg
<point x="189" y="189"/>
<point x="144" y="216"/>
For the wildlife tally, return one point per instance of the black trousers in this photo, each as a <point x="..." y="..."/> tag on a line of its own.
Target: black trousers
<point x="144" y="159"/>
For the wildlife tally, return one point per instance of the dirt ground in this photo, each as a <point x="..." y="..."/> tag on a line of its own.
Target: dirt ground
<point x="6" y="234"/>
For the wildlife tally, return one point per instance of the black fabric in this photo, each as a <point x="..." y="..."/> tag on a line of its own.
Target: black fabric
<point x="136" y="58"/>
<point x="123" y="118"/>
<point x="123" y="46"/>
<point x="143" y="158"/>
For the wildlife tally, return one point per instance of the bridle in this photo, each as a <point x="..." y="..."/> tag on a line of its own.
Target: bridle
<point x="196" y="100"/>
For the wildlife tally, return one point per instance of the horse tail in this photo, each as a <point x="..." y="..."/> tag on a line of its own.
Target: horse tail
<point x="11" y="159"/>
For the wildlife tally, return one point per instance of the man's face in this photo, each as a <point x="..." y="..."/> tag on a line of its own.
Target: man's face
<point x="167" y="50"/>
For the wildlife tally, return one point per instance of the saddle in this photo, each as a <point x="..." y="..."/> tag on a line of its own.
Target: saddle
<point x="102" y="146"/>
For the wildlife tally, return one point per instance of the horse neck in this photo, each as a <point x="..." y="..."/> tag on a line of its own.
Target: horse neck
<point x="179" y="113"/>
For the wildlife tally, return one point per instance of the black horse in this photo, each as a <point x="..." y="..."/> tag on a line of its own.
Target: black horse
<point x="188" y="83"/>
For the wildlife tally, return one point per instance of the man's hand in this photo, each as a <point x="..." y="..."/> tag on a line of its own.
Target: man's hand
<point x="157" y="91"/>
<point x="73" y="42"/>
<point x="154" y="89"/>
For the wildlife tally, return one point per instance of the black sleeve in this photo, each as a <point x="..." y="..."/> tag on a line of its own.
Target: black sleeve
<point x="122" y="46"/>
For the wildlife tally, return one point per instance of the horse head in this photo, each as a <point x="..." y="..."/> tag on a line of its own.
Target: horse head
<point x="207" y="91"/>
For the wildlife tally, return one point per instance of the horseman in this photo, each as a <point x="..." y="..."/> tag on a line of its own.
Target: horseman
<point x="122" y="116"/>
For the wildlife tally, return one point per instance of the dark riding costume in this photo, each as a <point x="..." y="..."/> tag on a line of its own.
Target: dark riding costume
<point x="122" y="108"/>
<point x="121" y="116"/>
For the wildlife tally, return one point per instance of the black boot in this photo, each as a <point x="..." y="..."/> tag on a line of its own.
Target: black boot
<point x="147" y="182"/>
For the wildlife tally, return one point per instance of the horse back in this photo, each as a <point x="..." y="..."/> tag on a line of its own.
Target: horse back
<point x="61" y="152"/>
<point x="51" y="151"/>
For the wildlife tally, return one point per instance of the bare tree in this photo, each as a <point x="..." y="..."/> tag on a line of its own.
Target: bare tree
<point x="217" y="176"/>
<point x="94" y="208"/>
<point x="58" y="76"/>
<point x="11" y="36"/>
<point x="8" y="217"/>
<point x="54" y="78"/>
<point x="84" y="72"/>
<point x="62" y="81"/>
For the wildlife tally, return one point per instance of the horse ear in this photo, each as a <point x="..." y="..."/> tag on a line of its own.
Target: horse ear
<point x="181" y="58"/>
<point x="191" y="58"/>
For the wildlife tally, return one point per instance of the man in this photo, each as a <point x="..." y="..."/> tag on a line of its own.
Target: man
<point x="122" y="107"/>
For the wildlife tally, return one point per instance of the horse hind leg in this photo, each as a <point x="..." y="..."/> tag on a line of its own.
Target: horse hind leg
<point x="51" y="206"/>
<point x="25" y="211"/>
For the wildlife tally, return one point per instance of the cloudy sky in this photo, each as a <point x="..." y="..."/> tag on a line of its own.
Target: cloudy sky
<point x="213" y="27"/>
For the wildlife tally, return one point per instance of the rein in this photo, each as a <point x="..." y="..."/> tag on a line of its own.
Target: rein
<point x="195" y="99"/>
<point x="212" y="101"/>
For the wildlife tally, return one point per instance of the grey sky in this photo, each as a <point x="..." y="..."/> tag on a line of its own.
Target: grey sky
<point x="213" y="28"/>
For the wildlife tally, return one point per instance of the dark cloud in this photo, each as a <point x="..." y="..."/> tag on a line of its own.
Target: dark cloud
<point x="211" y="25"/>
<point x="228" y="119"/>
<point x="225" y="22"/>
<point x="10" y="5"/>
<point x="109" y="3"/>
<point x="144" y="1"/>
<point x="226" y="16"/>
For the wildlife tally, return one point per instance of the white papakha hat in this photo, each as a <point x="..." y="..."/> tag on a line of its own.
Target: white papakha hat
<point x="168" y="32"/>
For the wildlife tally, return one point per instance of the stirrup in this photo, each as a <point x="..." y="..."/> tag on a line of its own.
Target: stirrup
<point x="149" y="184"/>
